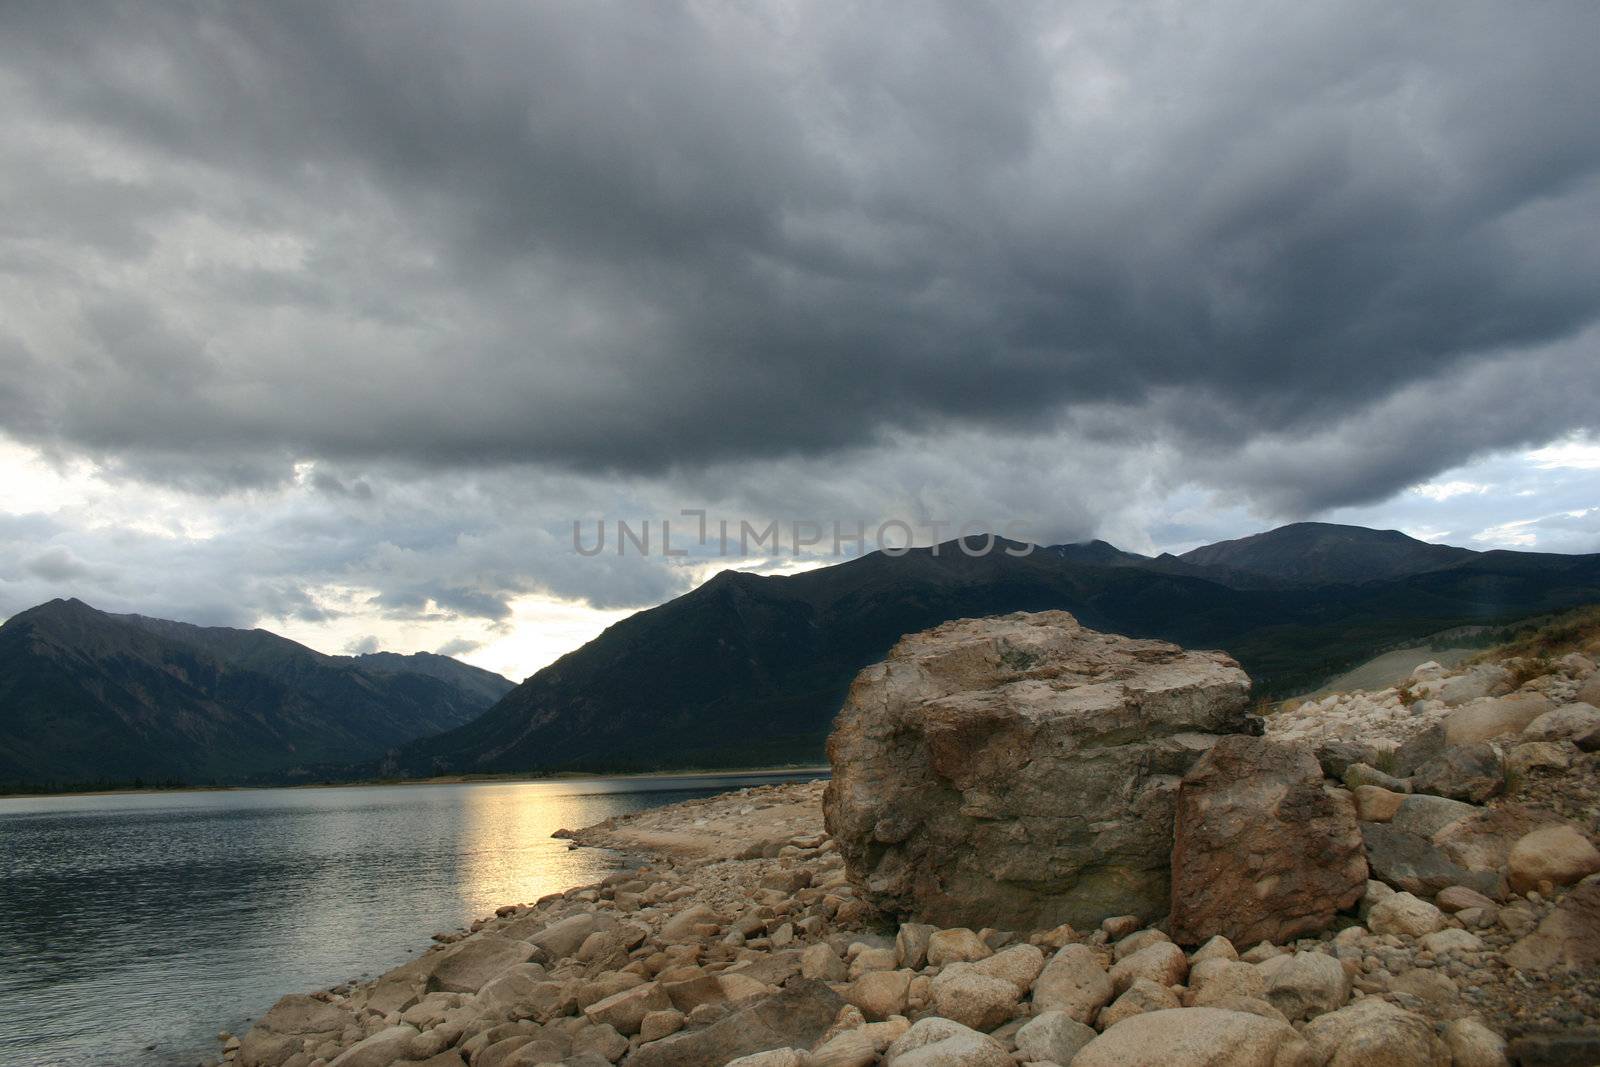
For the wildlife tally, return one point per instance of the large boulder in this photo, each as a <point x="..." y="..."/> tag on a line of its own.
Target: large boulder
<point x="1021" y="771"/>
<point x="1263" y="851"/>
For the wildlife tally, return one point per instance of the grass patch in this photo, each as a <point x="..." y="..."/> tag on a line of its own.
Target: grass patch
<point x="1542" y="640"/>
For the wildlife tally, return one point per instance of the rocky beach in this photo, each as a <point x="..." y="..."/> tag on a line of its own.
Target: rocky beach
<point x="1046" y="845"/>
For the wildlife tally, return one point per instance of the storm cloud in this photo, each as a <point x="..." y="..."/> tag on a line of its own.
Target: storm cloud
<point x="1055" y="260"/>
<point x="631" y="237"/>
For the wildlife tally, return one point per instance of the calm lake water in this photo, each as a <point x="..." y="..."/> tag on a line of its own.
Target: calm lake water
<point x="133" y="928"/>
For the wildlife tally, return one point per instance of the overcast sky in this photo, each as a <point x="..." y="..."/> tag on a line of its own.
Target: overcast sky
<point x="333" y="317"/>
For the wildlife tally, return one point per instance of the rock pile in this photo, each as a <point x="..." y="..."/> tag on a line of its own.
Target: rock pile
<point x="1022" y="770"/>
<point x="744" y="940"/>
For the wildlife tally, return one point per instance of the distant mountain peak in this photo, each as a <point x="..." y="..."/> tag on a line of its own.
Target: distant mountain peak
<point x="1328" y="552"/>
<point x="89" y="697"/>
<point x="1336" y="529"/>
<point x="60" y="607"/>
<point x="65" y="621"/>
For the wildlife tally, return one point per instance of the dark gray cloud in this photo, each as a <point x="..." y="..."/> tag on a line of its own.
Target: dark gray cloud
<point x="661" y="238"/>
<point x="57" y="564"/>
<point x="357" y="306"/>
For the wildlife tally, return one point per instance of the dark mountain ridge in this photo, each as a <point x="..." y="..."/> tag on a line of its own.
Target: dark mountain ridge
<point x="87" y="697"/>
<point x="1324" y="552"/>
<point x="750" y="669"/>
<point x="744" y="670"/>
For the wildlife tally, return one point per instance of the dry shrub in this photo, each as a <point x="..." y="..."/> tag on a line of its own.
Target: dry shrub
<point x="1572" y="631"/>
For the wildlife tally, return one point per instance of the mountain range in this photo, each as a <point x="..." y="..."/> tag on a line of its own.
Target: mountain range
<point x="749" y="669"/>
<point x="89" y="698"/>
<point x="745" y="670"/>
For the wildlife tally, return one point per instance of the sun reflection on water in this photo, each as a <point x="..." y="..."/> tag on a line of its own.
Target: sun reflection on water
<point x="156" y="919"/>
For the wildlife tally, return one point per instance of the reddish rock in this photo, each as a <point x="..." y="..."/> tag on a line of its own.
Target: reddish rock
<point x="1263" y="851"/>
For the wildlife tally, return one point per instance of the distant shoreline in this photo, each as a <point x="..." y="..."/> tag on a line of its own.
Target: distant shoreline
<point x="448" y="779"/>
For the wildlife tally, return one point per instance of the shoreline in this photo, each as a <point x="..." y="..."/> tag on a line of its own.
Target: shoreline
<point x="734" y="930"/>
<point x="457" y="779"/>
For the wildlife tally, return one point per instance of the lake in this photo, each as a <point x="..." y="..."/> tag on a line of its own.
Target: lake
<point x="134" y="927"/>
